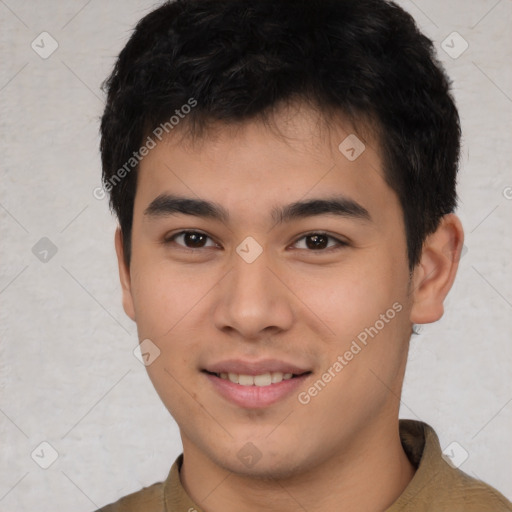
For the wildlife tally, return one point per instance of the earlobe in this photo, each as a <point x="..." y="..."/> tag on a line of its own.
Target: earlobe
<point x="434" y="275"/>
<point x="124" y="275"/>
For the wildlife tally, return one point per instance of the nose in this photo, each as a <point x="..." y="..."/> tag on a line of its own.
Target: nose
<point x="252" y="301"/>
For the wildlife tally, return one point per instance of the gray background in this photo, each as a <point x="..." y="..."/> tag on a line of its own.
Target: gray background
<point x="67" y="372"/>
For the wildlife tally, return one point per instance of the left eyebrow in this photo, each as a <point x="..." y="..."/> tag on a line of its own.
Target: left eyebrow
<point x="168" y="204"/>
<point x="338" y="205"/>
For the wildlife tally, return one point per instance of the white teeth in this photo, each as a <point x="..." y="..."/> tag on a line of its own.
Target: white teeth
<point x="265" y="379"/>
<point x="245" y="380"/>
<point x="277" y="377"/>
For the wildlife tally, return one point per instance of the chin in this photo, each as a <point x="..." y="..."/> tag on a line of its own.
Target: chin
<point x="266" y="464"/>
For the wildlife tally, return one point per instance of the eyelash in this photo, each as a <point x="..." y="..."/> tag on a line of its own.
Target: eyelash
<point x="339" y="243"/>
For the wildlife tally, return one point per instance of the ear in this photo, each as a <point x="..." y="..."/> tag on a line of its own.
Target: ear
<point x="434" y="275"/>
<point x="124" y="275"/>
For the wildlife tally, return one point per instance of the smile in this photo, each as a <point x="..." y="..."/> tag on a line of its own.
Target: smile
<point x="255" y="391"/>
<point x="264" y="379"/>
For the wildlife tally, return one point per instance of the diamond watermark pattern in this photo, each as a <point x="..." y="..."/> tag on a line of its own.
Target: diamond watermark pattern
<point x="44" y="455"/>
<point x="454" y="45"/>
<point x="249" y="250"/>
<point x="249" y="455"/>
<point x="351" y="147"/>
<point x="146" y="352"/>
<point x="44" y="250"/>
<point x="44" y="45"/>
<point x="455" y="455"/>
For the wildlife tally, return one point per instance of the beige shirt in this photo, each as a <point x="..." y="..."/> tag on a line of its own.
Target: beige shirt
<point x="435" y="487"/>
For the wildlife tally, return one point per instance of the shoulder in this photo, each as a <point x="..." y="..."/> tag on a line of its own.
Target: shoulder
<point x="148" y="499"/>
<point x="437" y="484"/>
<point x="474" y="495"/>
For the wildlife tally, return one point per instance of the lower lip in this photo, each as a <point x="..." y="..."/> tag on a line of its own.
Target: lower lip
<point x="256" y="397"/>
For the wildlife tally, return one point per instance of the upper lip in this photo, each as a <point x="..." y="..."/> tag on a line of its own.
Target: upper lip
<point x="255" y="367"/>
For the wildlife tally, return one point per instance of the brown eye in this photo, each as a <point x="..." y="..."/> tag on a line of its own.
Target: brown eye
<point x="194" y="240"/>
<point x="191" y="239"/>
<point x="317" y="241"/>
<point x="320" y="242"/>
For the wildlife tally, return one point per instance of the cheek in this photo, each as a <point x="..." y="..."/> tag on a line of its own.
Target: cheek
<point x="347" y="299"/>
<point x="169" y="305"/>
<point x="364" y="303"/>
<point x="163" y="296"/>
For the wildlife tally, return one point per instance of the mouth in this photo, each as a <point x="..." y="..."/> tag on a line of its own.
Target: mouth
<point x="260" y="380"/>
<point x="257" y="391"/>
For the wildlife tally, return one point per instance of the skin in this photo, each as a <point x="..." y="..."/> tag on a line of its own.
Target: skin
<point x="305" y="306"/>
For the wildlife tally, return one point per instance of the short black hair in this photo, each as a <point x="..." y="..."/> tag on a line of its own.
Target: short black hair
<point x="236" y="60"/>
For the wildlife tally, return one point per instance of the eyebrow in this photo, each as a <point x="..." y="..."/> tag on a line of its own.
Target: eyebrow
<point x="168" y="204"/>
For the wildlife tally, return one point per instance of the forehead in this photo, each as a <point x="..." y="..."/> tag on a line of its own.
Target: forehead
<point x="250" y="168"/>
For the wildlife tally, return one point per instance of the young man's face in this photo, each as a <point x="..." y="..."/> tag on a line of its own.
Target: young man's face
<point x="211" y="301"/>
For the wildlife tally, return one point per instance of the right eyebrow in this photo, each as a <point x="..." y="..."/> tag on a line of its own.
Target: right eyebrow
<point x="169" y="204"/>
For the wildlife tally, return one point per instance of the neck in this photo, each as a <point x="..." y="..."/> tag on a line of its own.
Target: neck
<point x="370" y="475"/>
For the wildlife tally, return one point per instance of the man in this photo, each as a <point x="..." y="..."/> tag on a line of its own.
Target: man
<point x="284" y="177"/>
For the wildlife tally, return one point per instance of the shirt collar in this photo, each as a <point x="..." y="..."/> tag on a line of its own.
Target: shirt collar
<point x="419" y="441"/>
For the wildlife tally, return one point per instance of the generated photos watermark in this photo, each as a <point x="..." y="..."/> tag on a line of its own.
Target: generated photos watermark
<point x="357" y="345"/>
<point x="150" y="143"/>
